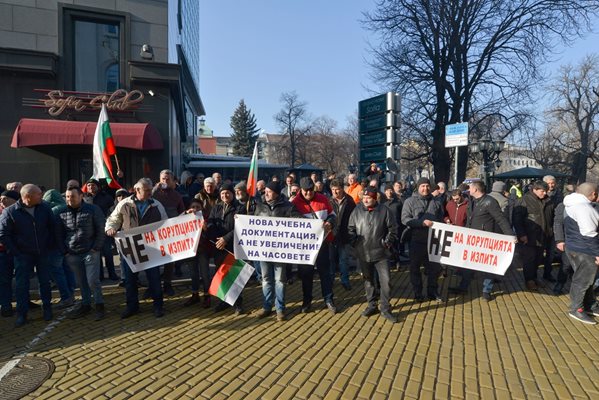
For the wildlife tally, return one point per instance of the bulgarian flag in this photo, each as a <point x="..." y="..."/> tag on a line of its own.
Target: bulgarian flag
<point x="103" y="149"/>
<point x="251" y="184"/>
<point x="230" y="279"/>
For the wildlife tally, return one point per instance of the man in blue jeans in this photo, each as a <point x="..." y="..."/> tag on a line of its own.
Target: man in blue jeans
<point x="273" y="274"/>
<point x="28" y="229"/>
<point x="137" y="210"/>
<point x="81" y="237"/>
<point x="343" y="205"/>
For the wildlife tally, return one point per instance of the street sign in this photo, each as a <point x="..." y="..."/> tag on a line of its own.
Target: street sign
<point x="377" y="138"/>
<point x="373" y="153"/>
<point x="387" y="120"/>
<point x="378" y="105"/>
<point x="379" y="153"/>
<point x="456" y="135"/>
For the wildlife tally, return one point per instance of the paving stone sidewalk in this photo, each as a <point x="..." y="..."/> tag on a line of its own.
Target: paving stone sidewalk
<point x="522" y="345"/>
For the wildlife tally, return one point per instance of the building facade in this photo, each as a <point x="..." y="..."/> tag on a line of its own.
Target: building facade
<point x="59" y="60"/>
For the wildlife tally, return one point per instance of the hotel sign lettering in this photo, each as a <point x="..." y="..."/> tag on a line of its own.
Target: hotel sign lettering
<point x="59" y="101"/>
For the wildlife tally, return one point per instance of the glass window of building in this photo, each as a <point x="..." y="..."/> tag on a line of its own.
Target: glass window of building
<point x="96" y="55"/>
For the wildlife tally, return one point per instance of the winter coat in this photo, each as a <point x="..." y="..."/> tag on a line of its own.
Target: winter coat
<point x="395" y="204"/>
<point x="317" y="208"/>
<point x="280" y="208"/>
<point x="23" y="233"/>
<point x="343" y="210"/>
<point x="102" y="200"/>
<point x="581" y="225"/>
<point x="484" y="214"/>
<point x="354" y="191"/>
<point x="221" y="222"/>
<point x="80" y="230"/>
<point x="415" y="210"/>
<point x="170" y="199"/>
<point x="533" y="218"/>
<point x="455" y="213"/>
<point x="558" y="224"/>
<point x="54" y="200"/>
<point x="126" y="216"/>
<point x="372" y="232"/>
<point x="504" y="204"/>
<point x="208" y="201"/>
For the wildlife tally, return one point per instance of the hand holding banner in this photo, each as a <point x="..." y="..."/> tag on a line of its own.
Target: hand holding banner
<point x="470" y="248"/>
<point x="152" y="245"/>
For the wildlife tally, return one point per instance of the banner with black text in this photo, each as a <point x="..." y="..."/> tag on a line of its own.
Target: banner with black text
<point x="281" y="240"/>
<point x="152" y="245"/>
<point x="470" y="248"/>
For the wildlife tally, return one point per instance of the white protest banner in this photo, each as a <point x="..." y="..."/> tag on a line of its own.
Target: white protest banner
<point x="470" y="248"/>
<point x="282" y="240"/>
<point x="149" y="246"/>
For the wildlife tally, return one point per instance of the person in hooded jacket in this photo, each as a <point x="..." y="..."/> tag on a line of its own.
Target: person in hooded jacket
<point x="418" y="214"/>
<point x="372" y="230"/>
<point x="581" y="227"/>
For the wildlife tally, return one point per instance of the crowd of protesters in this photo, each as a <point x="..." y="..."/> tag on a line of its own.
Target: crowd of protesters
<point x="63" y="237"/>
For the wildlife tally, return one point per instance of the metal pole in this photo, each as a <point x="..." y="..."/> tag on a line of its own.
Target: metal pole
<point x="455" y="168"/>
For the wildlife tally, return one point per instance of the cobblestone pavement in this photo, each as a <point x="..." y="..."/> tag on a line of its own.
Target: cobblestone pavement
<point x="521" y="345"/>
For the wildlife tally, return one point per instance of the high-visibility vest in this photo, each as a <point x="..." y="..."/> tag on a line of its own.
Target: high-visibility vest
<point x="518" y="191"/>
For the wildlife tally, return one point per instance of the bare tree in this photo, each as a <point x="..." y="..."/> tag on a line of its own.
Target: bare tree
<point x="452" y="60"/>
<point x="292" y="115"/>
<point x="575" y="114"/>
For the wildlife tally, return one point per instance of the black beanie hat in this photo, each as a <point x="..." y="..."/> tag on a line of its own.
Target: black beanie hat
<point x="11" y="194"/>
<point x="227" y="186"/>
<point x="274" y="186"/>
<point x="422" y="181"/>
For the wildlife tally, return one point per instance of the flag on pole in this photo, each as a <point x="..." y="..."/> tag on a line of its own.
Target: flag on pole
<point x="230" y="279"/>
<point x="251" y="184"/>
<point x="103" y="149"/>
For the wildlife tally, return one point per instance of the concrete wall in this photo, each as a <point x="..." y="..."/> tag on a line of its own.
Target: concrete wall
<point x="33" y="24"/>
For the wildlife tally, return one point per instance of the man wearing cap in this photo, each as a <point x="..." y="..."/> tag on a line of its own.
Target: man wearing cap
<point x="28" y="231"/>
<point x="372" y="230"/>
<point x="7" y="199"/>
<point x="165" y="192"/>
<point x="315" y="205"/>
<point x="248" y="206"/>
<point x="273" y="273"/>
<point x="220" y="230"/>
<point x="138" y="210"/>
<point x="208" y="196"/>
<point x="498" y="193"/>
<point x="105" y="202"/>
<point x="418" y="214"/>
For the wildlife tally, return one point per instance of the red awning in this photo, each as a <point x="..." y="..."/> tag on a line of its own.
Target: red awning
<point x="40" y="132"/>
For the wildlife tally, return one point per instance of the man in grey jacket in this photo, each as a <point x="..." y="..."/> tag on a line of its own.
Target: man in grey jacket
<point x="418" y="214"/>
<point x="372" y="230"/>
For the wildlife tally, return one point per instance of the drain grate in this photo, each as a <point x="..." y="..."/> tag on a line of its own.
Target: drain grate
<point x="23" y="378"/>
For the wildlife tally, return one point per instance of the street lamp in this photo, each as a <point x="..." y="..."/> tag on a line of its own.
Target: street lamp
<point x="490" y="150"/>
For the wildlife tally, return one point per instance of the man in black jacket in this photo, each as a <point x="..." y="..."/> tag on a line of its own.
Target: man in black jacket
<point x="394" y="203"/>
<point x="27" y="230"/>
<point x="418" y="214"/>
<point x="484" y="214"/>
<point x="273" y="274"/>
<point x="221" y="229"/>
<point x="372" y="231"/>
<point x="80" y="238"/>
<point x="343" y="205"/>
<point x="565" y="267"/>
<point x="533" y="222"/>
